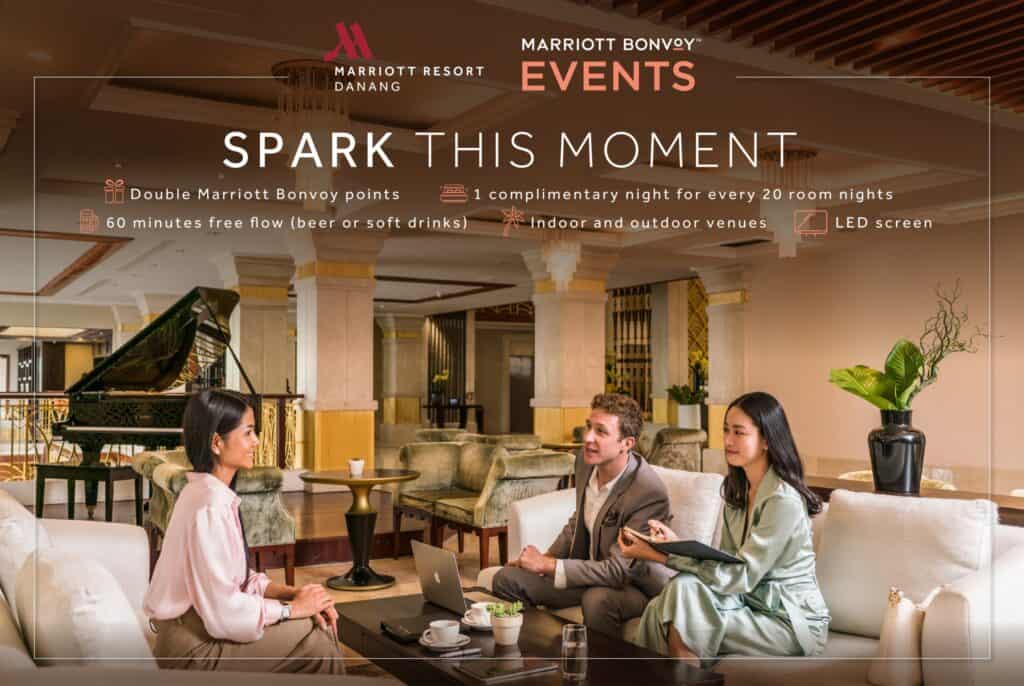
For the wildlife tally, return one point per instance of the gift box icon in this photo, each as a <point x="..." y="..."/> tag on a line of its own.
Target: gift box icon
<point x="113" y="191"/>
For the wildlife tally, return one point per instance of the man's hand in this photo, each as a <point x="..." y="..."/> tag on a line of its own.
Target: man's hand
<point x="533" y="560"/>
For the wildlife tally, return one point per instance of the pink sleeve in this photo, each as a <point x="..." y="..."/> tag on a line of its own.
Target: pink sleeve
<point x="257" y="585"/>
<point x="227" y="611"/>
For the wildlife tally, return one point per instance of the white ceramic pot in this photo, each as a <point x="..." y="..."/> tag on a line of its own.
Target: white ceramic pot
<point x="506" y="629"/>
<point x="689" y="416"/>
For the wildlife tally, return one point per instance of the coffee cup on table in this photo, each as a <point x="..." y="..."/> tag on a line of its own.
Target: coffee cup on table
<point x="355" y="467"/>
<point x="478" y="614"/>
<point x="442" y="631"/>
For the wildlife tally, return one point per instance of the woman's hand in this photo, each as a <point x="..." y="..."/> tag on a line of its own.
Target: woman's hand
<point x="312" y="600"/>
<point x="660" y="531"/>
<point x="636" y="549"/>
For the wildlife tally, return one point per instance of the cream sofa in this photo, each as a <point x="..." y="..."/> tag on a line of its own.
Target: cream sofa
<point x="865" y="543"/>
<point x="71" y="595"/>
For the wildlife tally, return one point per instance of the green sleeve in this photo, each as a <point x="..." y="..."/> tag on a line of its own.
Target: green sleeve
<point x="766" y="541"/>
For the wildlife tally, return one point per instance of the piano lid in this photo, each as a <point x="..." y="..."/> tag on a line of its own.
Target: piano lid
<point x="173" y="349"/>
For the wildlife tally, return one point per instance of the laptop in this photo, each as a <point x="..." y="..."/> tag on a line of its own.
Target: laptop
<point x="439" y="577"/>
<point x="441" y="584"/>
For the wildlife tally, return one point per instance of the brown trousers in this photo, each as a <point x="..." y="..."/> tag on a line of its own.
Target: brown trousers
<point x="296" y="646"/>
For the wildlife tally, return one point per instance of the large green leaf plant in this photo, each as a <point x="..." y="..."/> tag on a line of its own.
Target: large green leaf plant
<point x="910" y="367"/>
<point x="892" y="389"/>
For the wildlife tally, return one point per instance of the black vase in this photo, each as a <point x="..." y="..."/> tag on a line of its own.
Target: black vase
<point x="897" y="454"/>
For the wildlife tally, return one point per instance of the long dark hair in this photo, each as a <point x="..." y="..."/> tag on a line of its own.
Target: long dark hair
<point x="209" y="412"/>
<point x="770" y="419"/>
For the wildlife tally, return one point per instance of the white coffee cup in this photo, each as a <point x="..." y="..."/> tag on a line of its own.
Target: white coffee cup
<point x="355" y="467"/>
<point x="478" y="614"/>
<point x="442" y="631"/>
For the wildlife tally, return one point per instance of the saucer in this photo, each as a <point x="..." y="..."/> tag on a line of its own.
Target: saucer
<point x="473" y="625"/>
<point x="461" y="641"/>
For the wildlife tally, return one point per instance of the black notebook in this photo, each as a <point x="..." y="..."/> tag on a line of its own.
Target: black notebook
<point x="493" y="671"/>
<point x="694" y="549"/>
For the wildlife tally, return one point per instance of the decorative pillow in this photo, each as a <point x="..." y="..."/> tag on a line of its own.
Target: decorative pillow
<point x="899" y="647"/>
<point x="20" y="534"/>
<point x="72" y="610"/>
<point x="871" y="542"/>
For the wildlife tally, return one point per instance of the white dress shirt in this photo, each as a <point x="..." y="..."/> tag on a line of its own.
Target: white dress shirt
<point x="593" y="500"/>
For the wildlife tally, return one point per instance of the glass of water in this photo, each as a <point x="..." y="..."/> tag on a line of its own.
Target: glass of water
<point x="574" y="652"/>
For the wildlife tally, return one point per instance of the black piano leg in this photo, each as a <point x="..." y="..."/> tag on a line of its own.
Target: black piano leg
<point x="92" y="489"/>
<point x="108" y="494"/>
<point x="71" y="498"/>
<point x="91" y="457"/>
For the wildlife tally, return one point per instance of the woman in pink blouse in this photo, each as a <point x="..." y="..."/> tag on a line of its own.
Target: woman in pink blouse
<point x="210" y="611"/>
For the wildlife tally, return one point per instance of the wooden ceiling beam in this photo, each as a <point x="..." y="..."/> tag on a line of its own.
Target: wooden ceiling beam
<point x="864" y="34"/>
<point x="711" y="11"/>
<point x="724" y="21"/>
<point x="944" y="33"/>
<point x="837" y="23"/>
<point x="795" y="23"/>
<point x="989" y="67"/>
<point x="765" y="31"/>
<point x="936" y="37"/>
<point x="954" y="61"/>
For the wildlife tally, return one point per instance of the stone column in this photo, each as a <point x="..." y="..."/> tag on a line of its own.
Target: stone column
<point x="569" y="334"/>
<point x="728" y="294"/>
<point x="334" y="284"/>
<point x="259" y="324"/>
<point x="670" y="346"/>
<point x="404" y="372"/>
<point x="127" y="323"/>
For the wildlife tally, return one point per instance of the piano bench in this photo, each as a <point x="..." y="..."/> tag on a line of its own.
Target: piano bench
<point x="90" y="474"/>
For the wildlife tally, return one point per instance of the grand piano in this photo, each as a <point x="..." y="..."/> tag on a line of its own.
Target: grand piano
<point x="122" y="401"/>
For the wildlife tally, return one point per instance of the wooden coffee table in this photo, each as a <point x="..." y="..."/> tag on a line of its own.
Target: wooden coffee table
<point x="611" y="660"/>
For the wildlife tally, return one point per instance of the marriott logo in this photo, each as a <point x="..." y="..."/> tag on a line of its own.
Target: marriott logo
<point x="352" y="41"/>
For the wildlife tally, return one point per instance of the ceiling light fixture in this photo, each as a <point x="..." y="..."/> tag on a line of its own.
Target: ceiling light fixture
<point x="308" y="103"/>
<point x="792" y="170"/>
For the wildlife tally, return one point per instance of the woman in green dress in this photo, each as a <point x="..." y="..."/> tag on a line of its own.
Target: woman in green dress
<point x="770" y="603"/>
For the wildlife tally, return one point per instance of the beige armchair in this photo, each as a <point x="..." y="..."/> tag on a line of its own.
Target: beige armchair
<point x="269" y="529"/>
<point x="468" y="486"/>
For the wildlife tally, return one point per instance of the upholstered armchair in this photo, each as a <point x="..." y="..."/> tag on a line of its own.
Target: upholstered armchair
<point x="269" y="529"/>
<point x="665" y="445"/>
<point x="469" y="485"/>
<point x="678" y="449"/>
<point x="510" y="442"/>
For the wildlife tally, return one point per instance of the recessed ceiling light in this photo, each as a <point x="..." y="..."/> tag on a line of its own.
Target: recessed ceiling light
<point x="117" y="165"/>
<point x="40" y="56"/>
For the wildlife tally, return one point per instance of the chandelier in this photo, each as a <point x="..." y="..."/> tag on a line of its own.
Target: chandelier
<point x="561" y="257"/>
<point x="796" y="173"/>
<point x="308" y="102"/>
<point x="789" y="170"/>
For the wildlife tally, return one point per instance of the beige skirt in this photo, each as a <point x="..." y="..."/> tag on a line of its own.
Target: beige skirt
<point x="296" y="646"/>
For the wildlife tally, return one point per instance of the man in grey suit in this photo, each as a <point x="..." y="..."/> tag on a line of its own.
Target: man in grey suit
<point x="615" y="487"/>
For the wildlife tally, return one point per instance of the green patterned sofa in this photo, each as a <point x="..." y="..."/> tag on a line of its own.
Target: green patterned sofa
<point x="666" y="445"/>
<point x="509" y="442"/>
<point x="467" y="485"/>
<point x="269" y="529"/>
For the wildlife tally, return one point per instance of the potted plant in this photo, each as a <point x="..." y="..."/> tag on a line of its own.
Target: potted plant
<point x="506" y="621"/>
<point x="897" y="448"/>
<point x="690" y="400"/>
<point x="689" y="403"/>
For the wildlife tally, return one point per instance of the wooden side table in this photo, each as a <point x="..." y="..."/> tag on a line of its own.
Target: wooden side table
<point x="91" y="473"/>
<point x="360" y="519"/>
